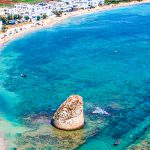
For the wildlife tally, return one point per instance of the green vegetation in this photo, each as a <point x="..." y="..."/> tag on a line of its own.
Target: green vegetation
<point x="58" y="13"/>
<point x="38" y="18"/>
<point x="17" y="17"/>
<point x="4" y="20"/>
<point x="4" y="28"/>
<point x="44" y="16"/>
<point x="28" y="1"/>
<point x="10" y="17"/>
<point x="6" y="5"/>
<point x="13" y="17"/>
<point x="117" y="1"/>
<point x="26" y="18"/>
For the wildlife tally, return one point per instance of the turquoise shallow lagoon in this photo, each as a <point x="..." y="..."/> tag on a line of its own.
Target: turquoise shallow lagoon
<point x="104" y="57"/>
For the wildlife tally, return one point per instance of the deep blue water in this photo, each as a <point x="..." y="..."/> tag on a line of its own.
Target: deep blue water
<point x="104" y="57"/>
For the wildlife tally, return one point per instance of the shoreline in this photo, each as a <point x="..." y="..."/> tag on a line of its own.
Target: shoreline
<point x="56" y="20"/>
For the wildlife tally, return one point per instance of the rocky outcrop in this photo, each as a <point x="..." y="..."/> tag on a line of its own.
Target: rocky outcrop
<point x="69" y="115"/>
<point x="43" y="135"/>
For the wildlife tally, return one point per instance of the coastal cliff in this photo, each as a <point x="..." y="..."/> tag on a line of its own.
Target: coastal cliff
<point x="69" y="115"/>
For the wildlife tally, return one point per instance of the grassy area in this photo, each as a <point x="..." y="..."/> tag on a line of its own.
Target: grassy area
<point x="6" y="5"/>
<point x="27" y="1"/>
<point x="118" y="1"/>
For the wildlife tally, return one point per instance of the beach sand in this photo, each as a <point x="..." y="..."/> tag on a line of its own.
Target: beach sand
<point x="55" y="20"/>
<point x="2" y="143"/>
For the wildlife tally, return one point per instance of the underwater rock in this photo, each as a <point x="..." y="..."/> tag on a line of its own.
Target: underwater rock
<point x="69" y="115"/>
<point x="40" y="119"/>
<point x="45" y="136"/>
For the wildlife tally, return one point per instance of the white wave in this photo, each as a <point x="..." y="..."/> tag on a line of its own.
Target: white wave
<point x="98" y="110"/>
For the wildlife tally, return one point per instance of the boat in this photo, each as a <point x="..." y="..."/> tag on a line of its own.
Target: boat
<point x="117" y="142"/>
<point x="23" y="75"/>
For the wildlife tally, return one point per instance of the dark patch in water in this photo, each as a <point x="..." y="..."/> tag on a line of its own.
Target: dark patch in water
<point x="128" y="119"/>
<point x="138" y="135"/>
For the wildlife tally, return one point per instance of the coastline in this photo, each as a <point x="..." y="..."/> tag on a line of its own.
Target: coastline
<point x="120" y="104"/>
<point x="56" y="20"/>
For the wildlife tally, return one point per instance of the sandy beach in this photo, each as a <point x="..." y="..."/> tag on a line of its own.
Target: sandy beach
<point x="55" y="20"/>
<point x="2" y="144"/>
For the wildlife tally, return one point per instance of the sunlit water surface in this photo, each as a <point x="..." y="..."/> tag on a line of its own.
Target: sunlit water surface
<point x="104" y="57"/>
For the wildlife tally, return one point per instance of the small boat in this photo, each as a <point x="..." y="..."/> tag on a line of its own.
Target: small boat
<point x="23" y="75"/>
<point x="117" y="142"/>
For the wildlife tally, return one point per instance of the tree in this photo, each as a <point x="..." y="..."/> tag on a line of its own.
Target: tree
<point x="26" y="18"/>
<point x="38" y="18"/>
<point x="15" y="16"/>
<point x="44" y="16"/>
<point x="10" y="17"/>
<point x="19" y="16"/>
<point x="4" y="28"/>
<point x="58" y="13"/>
<point x="1" y="18"/>
<point x="4" y="20"/>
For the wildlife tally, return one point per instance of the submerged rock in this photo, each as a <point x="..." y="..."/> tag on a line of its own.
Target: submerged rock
<point x="45" y="136"/>
<point x="69" y="115"/>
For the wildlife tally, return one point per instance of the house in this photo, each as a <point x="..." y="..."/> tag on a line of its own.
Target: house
<point x="48" y="9"/>
<point x="84" y="4"/>
<point x="80" y="4"/>
<point x="95" y="3"/>
<point x="60" y="6"/>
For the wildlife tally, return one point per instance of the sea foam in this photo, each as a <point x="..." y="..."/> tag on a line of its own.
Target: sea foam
<point x="98" y="110"/>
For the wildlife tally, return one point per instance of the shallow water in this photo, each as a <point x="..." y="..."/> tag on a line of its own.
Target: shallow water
<point x="104" y="57"/>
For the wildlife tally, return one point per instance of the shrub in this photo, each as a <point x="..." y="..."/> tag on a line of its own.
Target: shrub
<point x="10" y="17"/>
<point x="26" y="18"/>
<point x="4" y="28"/>
<point x="38" y="18"/>
<point x="44" y="16"/>
<point x="57" y="13"/>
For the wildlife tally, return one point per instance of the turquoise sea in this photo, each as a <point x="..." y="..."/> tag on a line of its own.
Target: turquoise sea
<point x="104" y="57"/>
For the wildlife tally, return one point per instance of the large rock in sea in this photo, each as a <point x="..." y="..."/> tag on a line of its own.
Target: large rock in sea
<point x="69" y="115"/>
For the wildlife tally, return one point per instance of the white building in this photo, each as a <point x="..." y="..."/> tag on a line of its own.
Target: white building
<point x="84" y="4"/>
<point x="80" y="4"/>
<point x="95" y="3"/>
<point x="60" y="6"/>
<point x="77" y="4"/>
<point x="40" y="9"/>
<point x="30" y="10"/>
